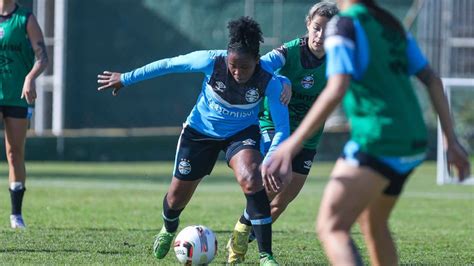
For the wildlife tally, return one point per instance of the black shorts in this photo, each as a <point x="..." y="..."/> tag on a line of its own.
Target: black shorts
<point x="303" y="160"/>
<point x="197" y="153"/>
<point x="16" y="111"/>
<point x="397" y="173"/>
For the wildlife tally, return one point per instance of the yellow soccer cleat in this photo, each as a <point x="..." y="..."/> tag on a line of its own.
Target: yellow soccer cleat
<point x="238" y="243"/>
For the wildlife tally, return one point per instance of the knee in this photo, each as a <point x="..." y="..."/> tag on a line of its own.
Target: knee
<point x="325" y="227"/>
<point x="278" y="207"/>
<point x="250" y="180"/>
<point x="250" y="185"/>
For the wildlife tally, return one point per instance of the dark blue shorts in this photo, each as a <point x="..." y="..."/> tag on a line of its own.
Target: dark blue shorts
<point x="197" y="153"/>
<point x="395" y="169"/>
<point x="303" y="160"/>
<point x="16" y="111"/>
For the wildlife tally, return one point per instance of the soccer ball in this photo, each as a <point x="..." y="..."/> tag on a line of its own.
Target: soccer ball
<point x="195" y="244"/>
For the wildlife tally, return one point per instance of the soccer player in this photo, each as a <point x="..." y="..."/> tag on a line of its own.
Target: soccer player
<point x="225" y="117"/>
<point x="370" y="61"/>
<point x="303" y="61"/>
<point x="22" y="59"/>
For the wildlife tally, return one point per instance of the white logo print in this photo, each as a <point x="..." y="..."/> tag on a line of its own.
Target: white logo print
<point x="252" y="95"/>
<point x="307" y="82"/>
<point x="249" y="142"/>
<point x="2" y="32"/>
<point x="220" y="86"/>
<point x="307" y="164"/>
<point x="184" y="167"/>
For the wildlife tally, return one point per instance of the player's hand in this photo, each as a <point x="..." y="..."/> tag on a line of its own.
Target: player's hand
<point x="285" y="95"/>
<point x="110" y="80"/>
<point x="458" y="157"/>
<point x="29" y="91"/>
<point x="276" y="171"/>
<point x="272" y="183"/>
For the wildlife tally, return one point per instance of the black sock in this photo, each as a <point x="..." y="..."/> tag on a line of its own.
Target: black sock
<point x="16" y="197"/>
<point x="258" y="209"/>
<point x="355" y="253"/>
<point x="244" y="220"/>
<point x="170" y="216"/>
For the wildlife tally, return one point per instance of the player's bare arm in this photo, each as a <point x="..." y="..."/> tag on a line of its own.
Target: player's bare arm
<point x="456" y="154"/>
<point x="37" y="42"/>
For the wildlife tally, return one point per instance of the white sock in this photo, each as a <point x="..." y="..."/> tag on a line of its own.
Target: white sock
<point x="15" y="186"/>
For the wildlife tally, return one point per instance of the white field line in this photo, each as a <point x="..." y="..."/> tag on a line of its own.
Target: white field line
<point x="211" y="187"/>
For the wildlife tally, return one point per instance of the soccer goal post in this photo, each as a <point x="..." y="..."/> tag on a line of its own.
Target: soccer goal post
<point x="466" y="87"/>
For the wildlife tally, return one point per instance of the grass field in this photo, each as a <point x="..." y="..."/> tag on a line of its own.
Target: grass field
<point x="94" y="213"/>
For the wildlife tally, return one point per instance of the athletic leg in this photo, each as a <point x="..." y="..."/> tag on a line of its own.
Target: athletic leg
<point x="246" y="169"/>
<point x="350" y="190"/>
<point x="373" y="222"/>
<point x="281" y="200"/>
<point x="195" y="159"/>
<point x="15" y="137"/>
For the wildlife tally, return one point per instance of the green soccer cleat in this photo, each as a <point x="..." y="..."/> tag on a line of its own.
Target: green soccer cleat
<point x="238" y="243"/>
<point x="162" y="243"/>
<point x="267" y="260"/>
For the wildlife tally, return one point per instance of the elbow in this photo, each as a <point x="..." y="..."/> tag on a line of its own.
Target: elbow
<point x="43" y="63"/>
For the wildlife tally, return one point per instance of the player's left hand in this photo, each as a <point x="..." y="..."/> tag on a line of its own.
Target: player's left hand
<point x="29" y="90"/>
<point x="285" y="95"/>
<point x="110" y="80"/>
<point x="459" y="158"/>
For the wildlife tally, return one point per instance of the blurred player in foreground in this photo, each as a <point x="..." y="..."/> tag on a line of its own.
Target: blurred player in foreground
<point x="370" y="61"/>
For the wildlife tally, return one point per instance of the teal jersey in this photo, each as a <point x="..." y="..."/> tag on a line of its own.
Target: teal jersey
<point x="307" y="74"/>
<point x="16" y="57"/>
<point x="383" y="110"/>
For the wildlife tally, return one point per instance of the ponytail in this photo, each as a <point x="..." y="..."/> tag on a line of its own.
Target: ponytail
<point x="383" y="16"/>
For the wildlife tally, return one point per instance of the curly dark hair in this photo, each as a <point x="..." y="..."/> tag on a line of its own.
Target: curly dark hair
<point x="245" y="36"/>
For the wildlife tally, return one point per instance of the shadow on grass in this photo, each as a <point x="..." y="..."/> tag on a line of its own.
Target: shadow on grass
<point x="95" y="230"/>
<point x="45" y="250"/>
<point x="127" y="177"/>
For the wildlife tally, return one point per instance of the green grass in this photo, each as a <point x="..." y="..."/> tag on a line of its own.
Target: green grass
<point x="97" y="213"/>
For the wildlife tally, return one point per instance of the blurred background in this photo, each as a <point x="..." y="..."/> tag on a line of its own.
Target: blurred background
<point x="73" y="121"/>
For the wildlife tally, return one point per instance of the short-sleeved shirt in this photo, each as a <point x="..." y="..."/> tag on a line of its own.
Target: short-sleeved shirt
<point x="383" y="110"/>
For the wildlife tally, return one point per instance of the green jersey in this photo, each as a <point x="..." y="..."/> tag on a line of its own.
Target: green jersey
<point x="16" y="57"/>
<point x="383" y="110"/>
<point x="307" y="75"/>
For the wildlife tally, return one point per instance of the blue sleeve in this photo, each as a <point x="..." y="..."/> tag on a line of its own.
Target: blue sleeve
<point x="199" y="61"/>
<point x="274" y="59"/>
<point x="339" y="45"/>
<point x="416" y="59"/>
<point x="280" y="115"/>
<point x="340" y="60"/>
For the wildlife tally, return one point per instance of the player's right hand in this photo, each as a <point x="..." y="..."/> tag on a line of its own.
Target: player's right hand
<point x="109" y="80"/>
